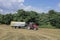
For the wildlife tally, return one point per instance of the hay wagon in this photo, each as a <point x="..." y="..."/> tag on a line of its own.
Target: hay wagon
<point x="18" y="24"/>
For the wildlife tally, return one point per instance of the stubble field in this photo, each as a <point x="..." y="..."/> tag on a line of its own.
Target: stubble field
<point x="9" y="33"/>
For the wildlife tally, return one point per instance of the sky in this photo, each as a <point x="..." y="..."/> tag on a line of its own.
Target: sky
<point x="11" y="6"/>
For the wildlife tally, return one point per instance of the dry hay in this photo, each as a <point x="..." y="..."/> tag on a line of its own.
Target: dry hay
<point x="8" y="33"/>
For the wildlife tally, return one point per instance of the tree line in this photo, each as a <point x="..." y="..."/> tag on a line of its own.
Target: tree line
<point x="51" y="18"/>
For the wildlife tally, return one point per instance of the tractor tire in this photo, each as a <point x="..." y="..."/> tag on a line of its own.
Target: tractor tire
<point x="28" y="28"/>
<point x="34" y="28"/>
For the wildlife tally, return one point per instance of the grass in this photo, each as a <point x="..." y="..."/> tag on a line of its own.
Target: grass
<point x="8" y="33"/>
<point x="47" y="26"/>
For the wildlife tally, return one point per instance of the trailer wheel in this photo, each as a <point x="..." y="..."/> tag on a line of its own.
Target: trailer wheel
<point x="15" y="27"/>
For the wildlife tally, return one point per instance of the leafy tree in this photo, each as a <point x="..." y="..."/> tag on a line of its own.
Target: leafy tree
<point x="7" y="18"/>
<point x="54" y="18"/>
<point x="1" y="18"/>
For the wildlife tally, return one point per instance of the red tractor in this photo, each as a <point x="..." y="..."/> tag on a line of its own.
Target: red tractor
<point x="33" y="26"/>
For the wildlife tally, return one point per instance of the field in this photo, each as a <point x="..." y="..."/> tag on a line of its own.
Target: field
<point x="8" y="33"/>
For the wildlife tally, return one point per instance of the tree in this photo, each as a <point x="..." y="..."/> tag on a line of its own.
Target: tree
<point x="7" y="18"/>
<point x="54" y="18"/>
<point x="1" y="18"/>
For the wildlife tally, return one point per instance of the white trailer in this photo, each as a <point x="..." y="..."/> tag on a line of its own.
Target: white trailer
<point x="18" y="24"/>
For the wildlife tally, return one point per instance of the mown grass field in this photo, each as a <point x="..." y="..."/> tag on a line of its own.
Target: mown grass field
<point x="8" y="33"/>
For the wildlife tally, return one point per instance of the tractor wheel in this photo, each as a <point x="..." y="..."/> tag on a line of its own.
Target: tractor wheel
<point x="28" y="28"/>
<point x="34" y="28"/>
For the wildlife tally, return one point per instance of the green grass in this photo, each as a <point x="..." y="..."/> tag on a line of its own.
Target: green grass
<point x="46" y="26"/>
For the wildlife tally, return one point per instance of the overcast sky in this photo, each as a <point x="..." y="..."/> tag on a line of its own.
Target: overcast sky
<point x="9" y="6"/>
